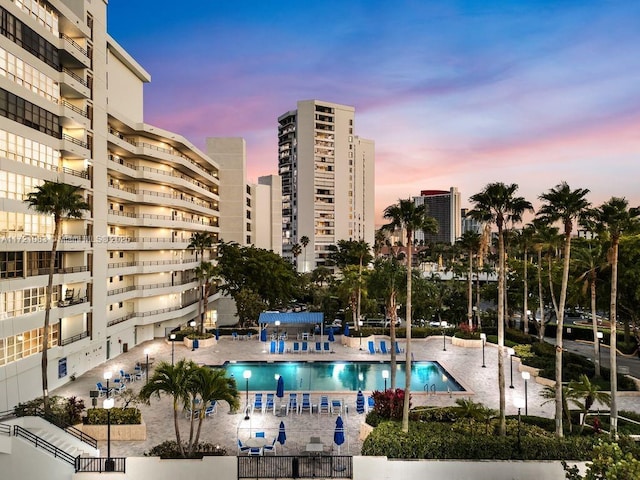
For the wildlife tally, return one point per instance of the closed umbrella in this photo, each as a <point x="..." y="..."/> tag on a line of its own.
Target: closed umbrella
<point x="263" y="335"/>
<point x="282" y="436"/>
<point x="338" y="435"/>
<point x="331" y="338"/>
<point x="346" y="330"/>
<point x="360" y="402"/>
<point x="280" y="387"/>
<point x="217" y="334"/>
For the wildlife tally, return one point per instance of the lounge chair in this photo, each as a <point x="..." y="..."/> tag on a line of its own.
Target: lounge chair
<point x="126" y="377"/>
<point x="305" y="347"/>
<point x="260" y="435"/>
<point x="138" y="372"/>
<point x="270" y="447"/>
<point x="281" y="347"/>
<point x="318" y="346"/>
<point x="324" y="405"/>
<point x="102" y="390"/>
<point x="398" y="349"/>
<point x="372" y="347"/>
<point x="211" y="409"/>
<point x="257" y="403"/>
<point x="255" y="452"/>
<point x="272" y="348"/>
<point x="242" y="448"/>
<point x="293" y="403"/>
<point x="326" y="347"/>
<point x="306" y="403"/>
<point x="296" y="347"/>
<point x="383" y="347"/>
<point x="336" y="406"/>
<point x="234" y="336"/>
<point x="118" y="386"/>
<point x="270" y="403"/>
<point x="370" y="404"/>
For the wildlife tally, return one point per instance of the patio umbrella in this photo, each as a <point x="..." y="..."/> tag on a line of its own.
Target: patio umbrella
<point x="331" y="338"/>
<point x="263" y="335"/>
<point x="338" y="435"/>
<point x="360" y="402"/>
<point x="346" y="330"/>
<point x="282" y="436"/>
<point x="217" y="334"/>
<point x="280" y="387"/>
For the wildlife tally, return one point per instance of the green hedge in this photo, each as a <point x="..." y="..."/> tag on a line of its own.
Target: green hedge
<point x="119" y="416"/>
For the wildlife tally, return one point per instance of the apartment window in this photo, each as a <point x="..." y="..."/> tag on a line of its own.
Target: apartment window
<point x="20" y="149"/>
<point x="28" y="114"/>
<point x="25" y="344"/>
<point x="11" y="264"/>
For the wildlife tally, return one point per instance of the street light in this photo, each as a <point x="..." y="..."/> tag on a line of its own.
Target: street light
<point x="444" y="337"/>
<point x="511" y="352"/>
<point x="277" y="322"/>
<point x="600" y="336"/>
<point x="445" y="379"/>
<point x="192" y="324"/>
<point x="483" y="337"/>
<point x="519" y="403"/>
<point x="360" y="330"/>
<point x="475" y="315"/>
<point x="109" y="465"/>
<point x="385" y="375"/>
<point x="107" y="376"/>
<point x="526" y="376"/>
<point x="172" y="337"/>
<point x="247" y="375"/>
<point x="146" y="370"/>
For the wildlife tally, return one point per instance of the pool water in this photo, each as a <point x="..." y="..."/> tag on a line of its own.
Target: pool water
<point x="339" y="376"/>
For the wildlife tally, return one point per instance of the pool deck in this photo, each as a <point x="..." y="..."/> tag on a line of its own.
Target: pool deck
<point x="223" y="428"/>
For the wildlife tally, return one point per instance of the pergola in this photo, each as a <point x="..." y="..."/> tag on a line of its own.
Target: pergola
<point x="292" y="318"/>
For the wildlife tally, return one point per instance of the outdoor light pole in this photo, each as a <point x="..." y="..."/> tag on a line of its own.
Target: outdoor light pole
<point x="173" y="344"/>
<point x="360" y="329"/>
<point x="247" y="376"/>
<point x="107" y="376"/>
<point x="599" y="335"/>
<point x="475" y="316"/>
<point x="518" y="402"/>
<point x="525" y="377"/>
<point x="146" y="370"/>
<point x="444" y="337"/>
<point x="483" y="337"/>
<point x="385" y="375"/>
<point x="277" y="322"/>
<point x="192" y="324"/>
<point x="511" y="351"/>
<point x="108" y="405"/>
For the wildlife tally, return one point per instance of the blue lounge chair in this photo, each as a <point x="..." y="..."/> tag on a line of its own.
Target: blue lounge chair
<point x="318" y="346"/>
<point x="398" y="349"/>
<point x="257" y="403"/>
<point x="305" y="347"/>
<point x="242" y="448"/>
<point x="324" y="405"/>
<point x="270" y="447"/>
<point x="103" y="390"/>
<point x="296" y="347"/>
<point x="272" y="348"/>
<point x="260" y="435"/>
<point x="293" y="403"/>
<point x="211" y="409"/>
<point x="306" y="403"/>
<point x="383" y="347"/>
<point x="372" y="347"/>
<point x="270" y="403"/>
<point x="326" y="347"/>
<point x="234" y="336"/>
<point x="281" y="347"/>
<point x="336" y="406"/>
<point x="370" y="404"/>
<point x="126" y="377"/>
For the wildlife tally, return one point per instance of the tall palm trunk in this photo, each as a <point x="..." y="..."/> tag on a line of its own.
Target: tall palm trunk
<point x="525" y="291"/>
<point x="393" y="316"/>
<point x="594" y="322"/>
<point x="559" y="333"/>
<point x="47" y="315"/>
<point x="470" y="291"/>
<point x="613" y="342"/>
<point x="501" y="379"/>
<point x="407" y="373"/>
<point x="540" y="298"/>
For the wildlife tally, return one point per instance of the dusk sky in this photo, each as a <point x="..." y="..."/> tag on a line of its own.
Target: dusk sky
<point x="453" y="93"/>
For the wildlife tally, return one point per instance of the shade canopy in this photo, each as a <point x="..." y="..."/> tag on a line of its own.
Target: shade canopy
<point x="282" y="436"/>
<point x="291" y="317"/>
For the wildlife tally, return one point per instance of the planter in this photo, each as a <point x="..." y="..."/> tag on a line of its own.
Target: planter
<point x="466" y="343"/>
<point x="118" y="432"/>
<point x="202" y="342"/>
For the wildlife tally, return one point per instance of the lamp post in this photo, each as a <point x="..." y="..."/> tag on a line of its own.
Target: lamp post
<point x="385" y="375"/>
<point x="519" y="403"/>
<point x="172" y="337"/>
<point x="510" y="352"/>
<point x="108" y="405"/>
<point x="107" y="376"/>
<point x="475" y="315"/>
<point x="444" y="337"/>
<point x="360" y="330"/>
<point x="146" y="369"/>
<point x="192" y="324"/>
<point x="525" y="377"/>
<point x="483" y="337"/>
<point x="599" y="336"/>
<point x="247" y="375"/>
<point x="277" y="322"/>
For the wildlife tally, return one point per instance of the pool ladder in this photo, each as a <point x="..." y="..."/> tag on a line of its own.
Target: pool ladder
<point x="431" y="388"/>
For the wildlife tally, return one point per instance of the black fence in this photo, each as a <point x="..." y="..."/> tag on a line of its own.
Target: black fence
<point x="300" y="466"/>
<point x="101" y="464"/>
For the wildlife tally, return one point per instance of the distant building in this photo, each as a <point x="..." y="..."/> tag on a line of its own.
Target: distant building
<point x="444" y="206"/>
<point x="469" y="224"/>
<point x="327" y="177"/>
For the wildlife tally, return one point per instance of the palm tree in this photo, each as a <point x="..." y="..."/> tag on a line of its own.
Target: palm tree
<point x="583" y="394"/>
<point x="204" y="273"/>
<point x="200" y="241"/>
<point x="304" y="241"/>
<point x="361" y="249"/>
<point x="62" y="201"/>
<point x="470" y="243"/>
<point x="498" y="204"/>
<point x="562" y="203"/>
<point x="296" y="250"/>
<point x="613" y="219"/>
<point x="185" y="382"/>
<point x="545" y="240"/>
<point x="590" y="259"/>
<point x="410" y="217"/>
<point x="525" y="239"/>
<point x="549" y="393"/>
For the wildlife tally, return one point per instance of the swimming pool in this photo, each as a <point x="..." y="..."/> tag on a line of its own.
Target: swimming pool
<point x="339" y="376"/>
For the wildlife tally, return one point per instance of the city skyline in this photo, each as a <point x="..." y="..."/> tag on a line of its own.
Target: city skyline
<point x="453" y="94"/>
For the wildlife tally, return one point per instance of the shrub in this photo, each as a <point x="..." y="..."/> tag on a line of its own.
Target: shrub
<point x="65" y="411"/>
<point x="466" y="332"/>
<point x="119" y="416"/>
<point x="169" y="449"/>
<point x="389" y="404"/>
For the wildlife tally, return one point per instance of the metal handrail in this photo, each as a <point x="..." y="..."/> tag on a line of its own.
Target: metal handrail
<point x="40" y="442"/>
<point x="70" y="429"/>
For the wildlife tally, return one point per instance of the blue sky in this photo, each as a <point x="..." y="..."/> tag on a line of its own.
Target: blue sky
<point x="454" y="93"/>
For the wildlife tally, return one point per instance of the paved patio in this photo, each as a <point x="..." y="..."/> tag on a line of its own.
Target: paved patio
<point x="223" y="428"/>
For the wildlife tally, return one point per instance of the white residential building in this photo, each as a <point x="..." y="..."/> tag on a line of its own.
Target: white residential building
<point x="327" y="180"/>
